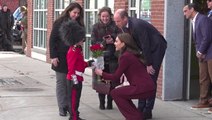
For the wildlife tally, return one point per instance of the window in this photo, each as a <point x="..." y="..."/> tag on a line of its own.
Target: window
<point x="59" y="6"/>
<point x="140" y="9"/>
<point x="40" y="24"/>
<point x="91" y="8"/>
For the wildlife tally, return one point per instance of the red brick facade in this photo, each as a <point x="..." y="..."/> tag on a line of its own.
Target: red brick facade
<point x="13" y="6"/>
<point x="30" y="26"/>
<point x="157" y="19"/>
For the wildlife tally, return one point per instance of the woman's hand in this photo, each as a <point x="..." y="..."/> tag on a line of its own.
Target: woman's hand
<point x="150" y="70"/>
<point x="98" y="71"/>
<point x="55" y="61"/>
<point x="109" y="40"/>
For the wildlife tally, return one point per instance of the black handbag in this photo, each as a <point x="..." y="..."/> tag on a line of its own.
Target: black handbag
<point x="100" y="85"/>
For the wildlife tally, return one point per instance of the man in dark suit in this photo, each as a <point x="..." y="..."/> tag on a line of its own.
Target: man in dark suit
<point x="209" y="3"/>
<point x="202" y="35"/>
<point x="152" y="45"/>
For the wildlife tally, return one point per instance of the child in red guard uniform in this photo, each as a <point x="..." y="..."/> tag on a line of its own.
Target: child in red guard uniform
<point x="74" y="36"/>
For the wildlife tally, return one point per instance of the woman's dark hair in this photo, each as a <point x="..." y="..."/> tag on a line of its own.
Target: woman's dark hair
<point x="130" y="45"/>
<point x="65" y="14"/>
<point x="105" y="9"/>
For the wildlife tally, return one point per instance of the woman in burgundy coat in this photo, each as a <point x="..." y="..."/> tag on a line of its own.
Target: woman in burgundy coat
<point x="140" y="84"/>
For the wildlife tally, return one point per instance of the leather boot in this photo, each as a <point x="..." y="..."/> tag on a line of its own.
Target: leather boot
<point x="109" y="102"/>
<point x="102" y="101"/>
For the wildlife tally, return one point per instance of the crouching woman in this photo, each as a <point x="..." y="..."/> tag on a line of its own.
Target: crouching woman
<point x="141" y="86"/>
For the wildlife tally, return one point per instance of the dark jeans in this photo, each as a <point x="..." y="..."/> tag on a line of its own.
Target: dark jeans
<point x="148" y="104"/>
<point x="7" y="40"/>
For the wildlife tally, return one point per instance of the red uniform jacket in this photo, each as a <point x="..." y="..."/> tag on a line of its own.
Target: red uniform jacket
<point x="75" y="62"/>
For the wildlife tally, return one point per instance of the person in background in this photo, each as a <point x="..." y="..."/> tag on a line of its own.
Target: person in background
<point x="209" y="3"/>
<point x="23" y="10"/>
<point x="58" y="51"/>
<point x="202" y="27"/>
<point x="152" y="45"/>
<point x="141" y="86"/>
<point x="104" y="32"/>
<point x="17" y="14"/>
<point x="6" y="24"/>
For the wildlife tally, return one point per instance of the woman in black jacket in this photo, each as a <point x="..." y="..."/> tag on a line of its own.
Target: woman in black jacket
<point x="104" y="32"/>
<point x="58" y="51"/>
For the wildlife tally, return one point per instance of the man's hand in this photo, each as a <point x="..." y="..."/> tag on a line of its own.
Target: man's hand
<point x="55" y="61"/>
<point x="150" y="70"/>
<point x="200" y="56"/>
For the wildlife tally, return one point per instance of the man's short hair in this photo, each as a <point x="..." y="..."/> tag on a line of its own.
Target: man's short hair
<point x="123" y="14"/>
<point x="192" y="5"/>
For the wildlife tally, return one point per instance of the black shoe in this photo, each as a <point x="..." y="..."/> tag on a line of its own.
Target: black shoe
<point x="109" y="106"/>
<point x="101" y="107"/>
<point x="63" y="111"/>
<point x="62" y="114"/>
<point x="22" y="52"/>
<point x="80" y="118"/>
<point x="148" y="115"/>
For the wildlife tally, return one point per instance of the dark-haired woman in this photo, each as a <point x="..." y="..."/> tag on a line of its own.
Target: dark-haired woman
<point x="58" y="51"/>
<point x="104" y="32"/>
<point x="141" y="86"/>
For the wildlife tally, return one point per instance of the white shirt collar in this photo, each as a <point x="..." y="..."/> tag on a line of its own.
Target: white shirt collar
<point x="194" y="19"/>
<point x="127" y="25"/>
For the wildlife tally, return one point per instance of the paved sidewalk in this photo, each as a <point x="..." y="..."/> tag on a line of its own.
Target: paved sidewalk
<point x="27" y="92"/>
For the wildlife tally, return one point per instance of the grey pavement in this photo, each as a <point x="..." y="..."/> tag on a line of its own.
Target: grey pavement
<point x="27" y="92"/>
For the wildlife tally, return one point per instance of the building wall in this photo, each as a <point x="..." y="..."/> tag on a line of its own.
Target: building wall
<point x="157" y="19"/>
<point x="30" y="25"/>
<point x="174" y="58"/>
<point x="50" y="20"/>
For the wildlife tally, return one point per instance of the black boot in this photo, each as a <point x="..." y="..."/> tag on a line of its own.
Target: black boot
<point x="102" y="101"/>
<point x="147" y="115"/>
<point x="109" y="102"/>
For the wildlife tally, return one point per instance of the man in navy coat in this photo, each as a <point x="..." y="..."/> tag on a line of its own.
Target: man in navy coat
<point x="202" y="36"/>
<point x="152" y="45"/>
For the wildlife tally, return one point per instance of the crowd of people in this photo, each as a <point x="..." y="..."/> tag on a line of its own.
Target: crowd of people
<point x="8" y="21"/>
<point x="123" y="41"/>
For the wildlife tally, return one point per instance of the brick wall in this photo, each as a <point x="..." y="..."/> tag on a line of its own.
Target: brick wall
<point x="13" y="6"/>
<point x="30" y="26"/>
<point x="50" y="19"/>
<point x="157" y="19"/>
<point x="120" y="4"/>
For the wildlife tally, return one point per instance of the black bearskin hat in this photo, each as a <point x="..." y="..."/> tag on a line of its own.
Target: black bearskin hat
<point x="71" y="32"/>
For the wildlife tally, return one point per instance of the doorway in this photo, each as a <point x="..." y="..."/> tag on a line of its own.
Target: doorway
<point x="193" y="68"/>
